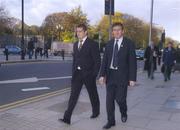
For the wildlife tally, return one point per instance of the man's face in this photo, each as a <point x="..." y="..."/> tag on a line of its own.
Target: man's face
<point x="117" y="32"/>
<point x="81" y="33"/>
<point x="169" y="45"/>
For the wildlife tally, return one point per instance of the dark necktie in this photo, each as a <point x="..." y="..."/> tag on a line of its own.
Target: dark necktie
<point x="80" y="44"/>
<point x="115" y="55"/>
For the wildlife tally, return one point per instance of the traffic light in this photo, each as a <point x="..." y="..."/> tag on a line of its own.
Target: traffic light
<point x="107" y="7"/>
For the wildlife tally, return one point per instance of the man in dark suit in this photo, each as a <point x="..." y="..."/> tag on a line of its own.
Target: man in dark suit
<point x="150" y="57"/>
<point x="118" y="70"/>
<point x="86" y="64"/>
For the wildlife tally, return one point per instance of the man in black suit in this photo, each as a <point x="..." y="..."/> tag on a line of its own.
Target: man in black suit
<point x="118" y="70"/>
<point x="86" y="64"/>
<point x="150" y="58"/>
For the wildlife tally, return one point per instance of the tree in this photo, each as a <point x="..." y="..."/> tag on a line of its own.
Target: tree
<point x="66" y="23"/>
<point x="51" y="22"/>
<point x="4" y="22"/>
<point x="134" y="28"/>
<point x="33" y="30"/>
<point x="103" y="25"/>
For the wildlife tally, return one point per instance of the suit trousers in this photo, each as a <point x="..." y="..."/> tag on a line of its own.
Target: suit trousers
<point x="150" y="70"/>
<point x="77" y="83"/>
<point x="115" y="92"/>
<point x="167" y="72"/>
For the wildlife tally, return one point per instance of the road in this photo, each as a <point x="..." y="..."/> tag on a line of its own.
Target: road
<point x="18" y="80"/>
<point x="24" y="80"/>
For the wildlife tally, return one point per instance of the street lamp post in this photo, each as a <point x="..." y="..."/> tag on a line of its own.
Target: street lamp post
<point x="150" y="39"/>
<point x="22" y="40"/>
<point x="110" y="19"/>
<point x="151" y="22"/>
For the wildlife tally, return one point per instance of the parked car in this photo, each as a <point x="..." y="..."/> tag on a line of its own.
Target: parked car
<point x="13" y="49"/>
<point x="140" y="54"/>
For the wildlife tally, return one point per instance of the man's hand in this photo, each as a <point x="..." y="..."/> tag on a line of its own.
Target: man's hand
<point x="132" y="83"/>
<point x="102" y="80"/>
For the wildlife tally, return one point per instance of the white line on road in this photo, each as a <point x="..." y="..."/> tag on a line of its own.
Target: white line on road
<point x="31" y="80"/>
<point x="24" y="80"/>
<point x="34" y="89"/>
<point x="65" y="77"/>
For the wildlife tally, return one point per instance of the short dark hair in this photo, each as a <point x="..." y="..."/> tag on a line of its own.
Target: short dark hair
<point x="83" y="26"/>
<point x="118" y="24"/>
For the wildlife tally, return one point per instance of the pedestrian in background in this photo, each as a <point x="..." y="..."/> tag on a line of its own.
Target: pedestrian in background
<point x="46" y="47"/>
<point x="150" y="57"/>
<point x="6" y="52"/>
<point x="169" y="59"/>
<point x="159" y="57"/>
<point x="30" y="48"/>
<point x="62" y="53"/>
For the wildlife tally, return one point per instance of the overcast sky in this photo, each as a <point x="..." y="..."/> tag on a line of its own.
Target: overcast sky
<point x="166" y="12"/>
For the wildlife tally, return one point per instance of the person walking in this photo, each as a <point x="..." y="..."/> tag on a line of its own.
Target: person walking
<point x="6" y="52"/>
<point x="86" y="64"/>
<point x="118" y="70"/>
<point x="30" y="48"/>
<point x="62" y="53"/>
<point x="169" y="59"/>
<point x="150" y="58"/>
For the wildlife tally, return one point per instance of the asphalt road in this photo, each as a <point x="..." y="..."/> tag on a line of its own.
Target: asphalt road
<point x="24" y="80"/>
<point x="18" y="80"/>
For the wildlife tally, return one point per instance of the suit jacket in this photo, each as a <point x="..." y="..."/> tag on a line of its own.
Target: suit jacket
<point x="127" y="66"/>
<point x="148" y="55"/>
<point x="88" y="58"/>
<point x="169" y="57"/>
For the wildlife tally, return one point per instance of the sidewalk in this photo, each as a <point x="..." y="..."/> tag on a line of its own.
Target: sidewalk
<point x="153" y="105"/>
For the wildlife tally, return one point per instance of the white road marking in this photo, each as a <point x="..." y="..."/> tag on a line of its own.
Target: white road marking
<point x="31" y="80"/>
<point x="24" y="80"/>
<point x="34" y="89"/>
<point x="65" y="77"/>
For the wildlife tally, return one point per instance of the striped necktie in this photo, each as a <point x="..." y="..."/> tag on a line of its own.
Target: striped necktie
<point x="80" y="44"/>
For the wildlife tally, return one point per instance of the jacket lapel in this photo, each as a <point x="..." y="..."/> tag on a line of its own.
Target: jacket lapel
<point x="84" y="44"/>
<point x="111" y="49"/>
<point x="121" y="47"/>
<point x="76" y="46"/>
<point x="121" y="51"/>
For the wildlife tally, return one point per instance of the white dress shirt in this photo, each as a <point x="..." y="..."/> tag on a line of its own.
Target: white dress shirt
<point x="83" y="40"/>
<point x="119" y="45"/>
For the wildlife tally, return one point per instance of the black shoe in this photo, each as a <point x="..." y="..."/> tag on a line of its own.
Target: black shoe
<point x="94" y="116"/>
<point x="65" y="121"/>
<point x="165" y="80"/>
<point x="124" y="119"/>
<point x="109" y="125"/>
<point x="152" y="77"/>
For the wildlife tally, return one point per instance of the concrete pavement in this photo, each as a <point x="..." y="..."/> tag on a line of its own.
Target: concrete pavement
<point x="152" y="105"/>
